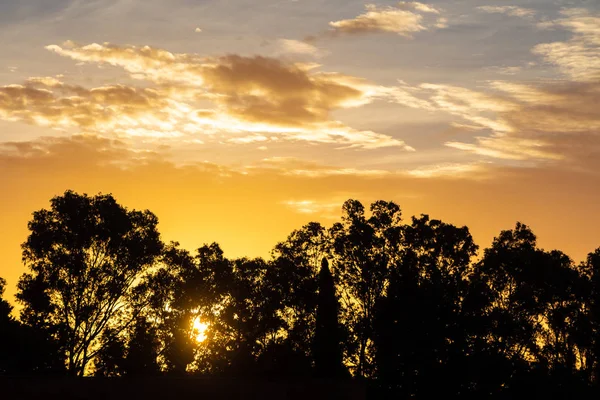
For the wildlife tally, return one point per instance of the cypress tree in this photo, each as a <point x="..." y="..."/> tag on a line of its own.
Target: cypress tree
<point x="327" y="349"/>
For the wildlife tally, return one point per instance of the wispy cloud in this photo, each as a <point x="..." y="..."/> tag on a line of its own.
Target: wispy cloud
<point x="115" y="109"/>
<point x="513" y="11"/>
<point x="544" y="121"/>
<point x="508" y="148"/>
<point x="525" y="121"/>
<point x="449" y="170"/>
<point x="313" y="207"/>
<point x="291" y="46"/>
<point x="579" y="57"/>
<point x="405" y="19"/>
<point x="251" y="96"/>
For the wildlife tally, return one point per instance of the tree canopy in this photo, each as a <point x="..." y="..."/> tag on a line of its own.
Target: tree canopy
<point x="85" y="256"/>
<point x="411" y="307"/>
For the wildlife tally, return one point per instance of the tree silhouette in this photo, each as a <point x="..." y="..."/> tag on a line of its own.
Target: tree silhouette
<point x="533" y="298"/>
<point x="7" y="331"/>
<point x="327" y="349"/>
<point x="588" y="328"/>
<point x="363" y="252"/>
<point x="404" y="306"/>
<point x="24" y="350"/>
<point x="293" y="274"/>
<point x="142" y="350"/>
<point x="420" y="335"/>
<point x="110" y="360"/>
<point x="85" y="255"/>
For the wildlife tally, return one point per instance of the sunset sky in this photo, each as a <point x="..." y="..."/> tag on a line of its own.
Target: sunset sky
<point x="237" y="121"/>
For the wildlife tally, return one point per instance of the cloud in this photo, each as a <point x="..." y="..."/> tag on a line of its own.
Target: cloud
<point x="145" y="63"/>
<point x="229" y="203"/>
<point x="579" y="57"/>
<point x="513" y="11"/>
<point x="78" y="151"/>
<point x="508" y="148"/>
<point x="296" y="167"/>
<point x="115" y="109"/>
<point x="405" y="19"/>
<point x="299" y="168"/>
<point x="543" y="122"/>
<point x="250" y="96"/>
<point x="514" y="70"/>
<point x="450" y="170"/>
<point x="313" y="207"/>
<point x="535" y="122"/>
<point x="290" y="46"/>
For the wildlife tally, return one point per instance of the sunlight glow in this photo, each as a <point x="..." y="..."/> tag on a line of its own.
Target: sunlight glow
<point x="199" y="329"/>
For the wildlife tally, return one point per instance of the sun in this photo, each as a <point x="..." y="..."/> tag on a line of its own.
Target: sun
<point x="199" y="330"/>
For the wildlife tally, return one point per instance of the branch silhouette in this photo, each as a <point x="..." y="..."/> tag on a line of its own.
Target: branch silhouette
<point x="406" y="309"/>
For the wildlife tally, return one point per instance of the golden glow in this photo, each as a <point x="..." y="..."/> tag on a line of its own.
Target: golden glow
<point x="199" y="329"/>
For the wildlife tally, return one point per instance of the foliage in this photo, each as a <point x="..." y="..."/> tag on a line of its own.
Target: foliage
<point x="406" y="306"/>
<point x="85" y="256"/>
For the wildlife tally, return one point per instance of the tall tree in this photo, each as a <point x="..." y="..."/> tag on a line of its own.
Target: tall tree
<point x="589" y="326"/>
<point x="249" y="320"/>
<point x="7" y="328"/>
<point x="293" y="274"/>
<point x="363" y="251"/>
<point x="420" y="335"/>
<point x="327" y="350"/>
<point x="85" y="255"/>
<point x="142" y="350"/>
<point x="23" y="349"/>
<point x="533" y="302"/>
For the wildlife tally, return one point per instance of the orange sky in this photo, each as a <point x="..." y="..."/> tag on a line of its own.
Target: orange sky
<point x="238" y="122"/>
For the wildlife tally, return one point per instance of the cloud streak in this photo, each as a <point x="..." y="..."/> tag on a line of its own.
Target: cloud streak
<point x="115" y="109"/>
<point x="535" y="122"/>
<point x="405" y="19"/>
<point x="251" y="96"/>
<point x="579" y="57"/>
<point x="513" y="11"/>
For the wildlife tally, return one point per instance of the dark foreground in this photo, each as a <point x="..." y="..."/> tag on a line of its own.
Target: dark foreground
<point x="175" y="388"/>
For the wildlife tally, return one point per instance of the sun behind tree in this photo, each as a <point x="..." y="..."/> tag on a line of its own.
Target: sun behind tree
<point x="199" y="329"/>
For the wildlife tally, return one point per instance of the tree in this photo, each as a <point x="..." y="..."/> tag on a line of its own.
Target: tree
<point x="293" y="274"/>
<point x="248" y="321"/>
<point x="85" y="256"/>
<point x="110" y="360"/>
<point x="363" y="251"/>
<point x="5" y="307"/>
<point x="420" y="334"/>
<point x="327" y="350"/>
<point x="533" y="299"/>
<point x="588" y="328"/>
<point x="235" y="299"/>
<point x="142" y="350"/>
<point x="7" y="329"/>
<point x="23" y="349"/>
<point x="194" y="287"/>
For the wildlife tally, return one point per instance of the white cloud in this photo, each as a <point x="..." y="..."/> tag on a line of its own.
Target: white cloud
<point x="578" y="57"/>
<point x="253" y="97"/>
<point x="291" y="46"/>
<point x="448" y="170"/>
<point x="513" y="11"/>
<point x="405" y="19"/>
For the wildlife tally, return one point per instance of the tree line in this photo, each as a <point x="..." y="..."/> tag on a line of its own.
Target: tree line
<point x="410" y="307"/>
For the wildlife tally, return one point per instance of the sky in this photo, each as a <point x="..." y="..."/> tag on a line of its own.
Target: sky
<point x="238" y="121"/>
